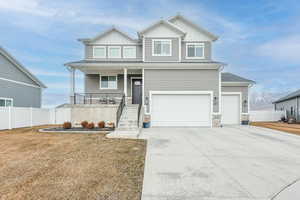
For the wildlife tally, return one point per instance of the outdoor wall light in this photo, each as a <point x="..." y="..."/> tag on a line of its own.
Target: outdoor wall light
<point x="245" y="102"/>
<point x="215" y="100"/>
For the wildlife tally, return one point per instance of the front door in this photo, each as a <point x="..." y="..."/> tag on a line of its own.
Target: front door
<point x="137" y="91"/>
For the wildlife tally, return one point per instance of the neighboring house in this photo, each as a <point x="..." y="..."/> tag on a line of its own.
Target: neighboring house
<point x="290" y="104"/>
<point x="168" y="69"/>
<point x="18" y="87"/>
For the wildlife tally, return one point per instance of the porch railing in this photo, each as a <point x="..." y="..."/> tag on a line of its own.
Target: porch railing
<point x="97" y="98"/>
<point x="120" y="109"/>
<point x="139" y="113"/>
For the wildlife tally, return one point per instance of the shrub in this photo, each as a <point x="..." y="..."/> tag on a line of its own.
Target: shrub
<point x="91" y="125"/>
<point x="67" y="125"/>
<point x="101" y="124"/>
<point x="283" y="119"/>
<point x="84" y="124"/>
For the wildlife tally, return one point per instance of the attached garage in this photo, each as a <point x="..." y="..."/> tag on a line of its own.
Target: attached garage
<point x="174" y="108"/>
<point x="231" y="108"/>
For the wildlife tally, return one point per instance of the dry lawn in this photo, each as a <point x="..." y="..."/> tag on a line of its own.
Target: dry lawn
<point x="37" y="165"/>
<point x="290" y="128"/>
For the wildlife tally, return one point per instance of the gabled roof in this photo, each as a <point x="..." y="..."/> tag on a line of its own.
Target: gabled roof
<point x="21" y="67"/>
<point x="229" y="77"/>
<point x="179" y="16"/>
<point x="170" y="25"/>
<point x="289" y="96"/>
<point x="102" y="34"/>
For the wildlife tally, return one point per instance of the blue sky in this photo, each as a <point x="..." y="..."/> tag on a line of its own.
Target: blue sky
<point x="259" y="40"/>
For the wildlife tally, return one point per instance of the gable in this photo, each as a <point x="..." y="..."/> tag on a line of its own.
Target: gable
<point x="113" y="37"/>
<point x="9" y="71"/>
<point x="162" y="28"/>
<point x="193" y="31"/>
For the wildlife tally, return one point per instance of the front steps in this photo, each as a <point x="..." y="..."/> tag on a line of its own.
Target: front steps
<point x="128" y="124"/>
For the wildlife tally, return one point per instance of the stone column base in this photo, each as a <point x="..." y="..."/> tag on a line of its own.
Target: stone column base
<point x="216" y="120"/>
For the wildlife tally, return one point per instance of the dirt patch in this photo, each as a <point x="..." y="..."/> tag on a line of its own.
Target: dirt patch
<point x="290" y="128"/>
<point x="37" y="165"/>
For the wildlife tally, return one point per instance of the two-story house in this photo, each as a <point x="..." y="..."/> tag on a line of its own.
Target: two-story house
<point x="169" y="70"/>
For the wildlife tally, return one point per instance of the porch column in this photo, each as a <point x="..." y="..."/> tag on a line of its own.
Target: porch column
<point x="72" y="84"/>
<point x="125" y="82"/>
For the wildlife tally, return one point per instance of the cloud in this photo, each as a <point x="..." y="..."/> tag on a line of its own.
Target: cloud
<point x="283" y="49"/>
<point x="42" y="72"/>
<point x="32" y="7"/>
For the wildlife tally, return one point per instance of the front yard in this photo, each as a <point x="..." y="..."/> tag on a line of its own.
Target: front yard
<point x="37" y="165"/>
<point x="280" y="126"/>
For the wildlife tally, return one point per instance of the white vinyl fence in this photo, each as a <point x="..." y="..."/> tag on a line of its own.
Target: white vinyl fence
<point x="17" y="117"/>
<point x="266" y="115"/>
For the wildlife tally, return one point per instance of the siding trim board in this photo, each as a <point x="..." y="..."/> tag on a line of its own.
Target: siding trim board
<point x="19" y="82"/>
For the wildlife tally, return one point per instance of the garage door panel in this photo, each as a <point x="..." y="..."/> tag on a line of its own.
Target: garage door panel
<point x="181" y="110"/>
<point x="230" y="109"/>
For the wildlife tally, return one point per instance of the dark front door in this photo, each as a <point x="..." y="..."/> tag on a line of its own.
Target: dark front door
<point x="137" y="91"/>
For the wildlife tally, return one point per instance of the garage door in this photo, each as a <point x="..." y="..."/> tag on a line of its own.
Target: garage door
<point x="181" y="110"/>
<point x="230" y="109"/>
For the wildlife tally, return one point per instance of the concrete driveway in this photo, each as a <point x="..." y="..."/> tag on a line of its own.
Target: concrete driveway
<point x="239" y="162"/>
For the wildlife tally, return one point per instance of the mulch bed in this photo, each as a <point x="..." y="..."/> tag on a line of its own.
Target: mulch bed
<point x="280" y="126"/>
<point x="78" y="129"/>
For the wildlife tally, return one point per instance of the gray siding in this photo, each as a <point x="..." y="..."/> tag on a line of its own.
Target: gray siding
<point x="182" y="80"/>
<point x="207" y="52"/>
<point x="286" y="105"/>
<point x="92" y="84"/>
<point x="89" y="53"/>
<point x="23" y="96"/>
<point x="9" y="71"/>
<point x="243" y="90"/>
<point x="172" y="58"/>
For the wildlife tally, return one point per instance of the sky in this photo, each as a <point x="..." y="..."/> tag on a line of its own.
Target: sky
<point x="259" y="40"/>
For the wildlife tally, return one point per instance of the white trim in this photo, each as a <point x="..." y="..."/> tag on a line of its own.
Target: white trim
<point x="248" y="99"/>
<point x="162" y="40"/>
<point x="196" y="44"/>
<point x="143" y="49"/>
<point x="129" y="47"/>
<point x="228" y="83"/>
<point x="220" y="91"/>
<point x="179" y="39"/>
<point x="143" y="92"/>
<point x="100" y="78"/>
<point x="131" y="79"/>
<point x="241" y="108"/>
<point x="211" y="93"/>
<point x="125" y="82"/>
<point x="99" y="47"/>
<point x="19" y="82"/>
<point x="118" y="47"/>
<point x="5" y="99"/>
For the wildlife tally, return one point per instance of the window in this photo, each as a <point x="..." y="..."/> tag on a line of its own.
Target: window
<point x="99" y="52"/>
<point x="195" y="50"/>
<point x="129" y="52"/>
<point x="114" y="52"/>
<point x="161" y="48"/>
<point x="6" y="102"/>
<point x="108" y="82"/>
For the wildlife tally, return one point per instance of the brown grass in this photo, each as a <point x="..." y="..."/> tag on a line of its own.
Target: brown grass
<point x="37" y="165"/>
<point x="290" y="128"/>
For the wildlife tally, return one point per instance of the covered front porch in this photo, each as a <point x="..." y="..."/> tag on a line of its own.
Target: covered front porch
<point x="107" y="86"/>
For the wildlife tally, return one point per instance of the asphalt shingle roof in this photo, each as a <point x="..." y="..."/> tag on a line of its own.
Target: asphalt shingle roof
<point x="229" y="77"/>
<point x="289" y="96"/>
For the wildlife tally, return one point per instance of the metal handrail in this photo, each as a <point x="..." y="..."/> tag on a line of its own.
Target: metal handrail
<point x="97" y="98"/>
<point x="139" y="113"/>
<point x="120" y="109"/>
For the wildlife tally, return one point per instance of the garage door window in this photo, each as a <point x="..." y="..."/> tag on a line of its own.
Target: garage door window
<point x="6" y="102"/>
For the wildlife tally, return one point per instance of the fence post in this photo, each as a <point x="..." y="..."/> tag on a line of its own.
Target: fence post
<point x="9" y="118"/>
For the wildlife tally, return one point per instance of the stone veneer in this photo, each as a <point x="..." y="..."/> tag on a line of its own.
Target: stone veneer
<point x="216" y="120"/>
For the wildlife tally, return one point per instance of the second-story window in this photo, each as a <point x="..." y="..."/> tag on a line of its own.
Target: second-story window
<point x="129" y="52"/>
<point x="114" y="52"/>
<point x="161" y="47"/>
<point x="99" y="52"/>
<point x="194" y="50"/>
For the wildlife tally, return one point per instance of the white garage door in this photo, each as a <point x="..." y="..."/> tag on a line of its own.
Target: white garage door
<point x="181" y="110"/>
<point x="230" y="109"/>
